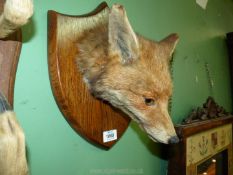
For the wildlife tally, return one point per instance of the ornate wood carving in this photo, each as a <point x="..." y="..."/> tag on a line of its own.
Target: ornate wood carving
<point x="210" y="110"/>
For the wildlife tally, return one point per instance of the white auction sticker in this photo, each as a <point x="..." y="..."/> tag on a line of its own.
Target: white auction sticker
<point x="109" y="135"/>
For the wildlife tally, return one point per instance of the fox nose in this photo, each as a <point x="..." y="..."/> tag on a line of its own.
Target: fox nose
<point x="173" y="139"/>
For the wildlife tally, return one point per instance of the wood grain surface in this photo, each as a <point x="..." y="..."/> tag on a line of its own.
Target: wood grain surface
<point x="10" y="48"/>
<point x="88" y="116"/>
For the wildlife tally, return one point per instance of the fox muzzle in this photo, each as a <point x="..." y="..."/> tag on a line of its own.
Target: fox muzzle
<point x="173" y="140"/>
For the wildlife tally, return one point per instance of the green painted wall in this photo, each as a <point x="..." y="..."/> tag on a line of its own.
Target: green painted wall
<point x="55" y="149"/>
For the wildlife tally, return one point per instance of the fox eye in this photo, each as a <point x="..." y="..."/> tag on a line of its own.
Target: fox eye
<point x="149" y="101"/>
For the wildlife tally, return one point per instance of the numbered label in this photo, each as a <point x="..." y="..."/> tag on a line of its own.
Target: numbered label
<point x="109" y="135"/>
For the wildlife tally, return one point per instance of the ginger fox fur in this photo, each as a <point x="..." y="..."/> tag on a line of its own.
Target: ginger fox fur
<point x="15" y="14"/>
<point x="12" y="146"/>
<point x="12" y="140"/>
<point x="130" y="72"/>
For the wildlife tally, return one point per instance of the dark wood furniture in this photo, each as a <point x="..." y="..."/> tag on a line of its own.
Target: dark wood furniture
<point x="203" y="140"/>
<point x="229" y="40"/>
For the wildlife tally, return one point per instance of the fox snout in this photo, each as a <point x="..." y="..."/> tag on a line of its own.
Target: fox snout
<point x="160" y="129"/>
<point x="158" y="135"/>
<point x="173" y="140"/>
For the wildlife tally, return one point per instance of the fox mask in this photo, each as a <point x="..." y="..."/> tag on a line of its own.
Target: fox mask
<point x="130" y="72"/>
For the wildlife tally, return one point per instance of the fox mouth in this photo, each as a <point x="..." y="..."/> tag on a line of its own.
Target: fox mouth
<point x="131" y="114"/>
<point x="141" y="125"/>
<point x="156" y="140"/>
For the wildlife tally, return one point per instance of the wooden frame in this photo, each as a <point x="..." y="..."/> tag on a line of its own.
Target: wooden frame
<point x="201" y="142"/>
<point x="10" y="49"/>
<point x="229" y="41"/>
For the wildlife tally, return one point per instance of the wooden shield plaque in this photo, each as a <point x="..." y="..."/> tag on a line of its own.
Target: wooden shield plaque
<point x="10" y="48"/>
<point x="95" y="120"/>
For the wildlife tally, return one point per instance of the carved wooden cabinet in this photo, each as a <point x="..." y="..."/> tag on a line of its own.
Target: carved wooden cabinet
<point x="205" y="146"/>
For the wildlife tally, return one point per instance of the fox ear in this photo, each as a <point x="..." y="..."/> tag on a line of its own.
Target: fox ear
<point x="168" y="45"/>
<point x="121" y="37"/>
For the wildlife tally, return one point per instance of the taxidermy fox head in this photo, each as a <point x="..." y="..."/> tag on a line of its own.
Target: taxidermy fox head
<point x="130" y="72"/>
